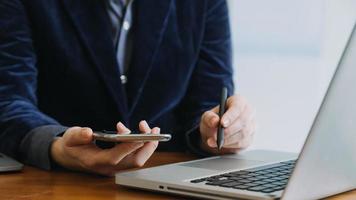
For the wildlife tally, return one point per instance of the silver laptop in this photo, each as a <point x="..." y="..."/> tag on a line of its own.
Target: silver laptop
<point x="325" y="166"/>
<point x="8" y="164"/>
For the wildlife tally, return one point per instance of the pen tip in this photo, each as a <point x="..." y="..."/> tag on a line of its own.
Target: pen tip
<point x="219" y="145"/>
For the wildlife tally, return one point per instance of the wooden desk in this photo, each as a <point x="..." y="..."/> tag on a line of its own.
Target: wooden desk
<point x="37" y="184"/>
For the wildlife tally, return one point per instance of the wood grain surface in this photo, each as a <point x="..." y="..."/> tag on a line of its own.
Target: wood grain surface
<point x="36" y="184"/>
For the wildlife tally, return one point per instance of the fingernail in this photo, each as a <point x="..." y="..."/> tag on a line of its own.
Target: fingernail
<point x="226" y="122"/>
<point x="211" y="143"/>
<point x="146" y="124"/>
<point x="120" y="124"/>
<point x="84" y="132"/>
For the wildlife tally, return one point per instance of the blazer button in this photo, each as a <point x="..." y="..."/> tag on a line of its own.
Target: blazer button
<point x="123" y="79"/>
<point x="126" y="25"/>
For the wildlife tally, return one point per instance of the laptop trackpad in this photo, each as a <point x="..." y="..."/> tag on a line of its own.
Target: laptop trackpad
<point x="223" y="163"/>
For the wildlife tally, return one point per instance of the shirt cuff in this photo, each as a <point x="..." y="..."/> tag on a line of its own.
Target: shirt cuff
<point x="35" y="147"/>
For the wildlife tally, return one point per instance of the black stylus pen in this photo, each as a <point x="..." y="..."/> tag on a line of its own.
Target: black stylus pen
<point x="220" y="136"/>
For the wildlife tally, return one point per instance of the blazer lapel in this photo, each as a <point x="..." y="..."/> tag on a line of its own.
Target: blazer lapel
<point x="93" y="26"/>
<point x="150" y="21"/>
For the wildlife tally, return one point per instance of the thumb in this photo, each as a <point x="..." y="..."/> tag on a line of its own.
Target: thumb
<point x="78" y="136"/>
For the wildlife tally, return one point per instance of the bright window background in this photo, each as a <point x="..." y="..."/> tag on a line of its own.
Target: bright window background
<point x="285" y="52"/>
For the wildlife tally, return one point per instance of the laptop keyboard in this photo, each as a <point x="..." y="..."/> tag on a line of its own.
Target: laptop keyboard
<point x="266" y="179"/>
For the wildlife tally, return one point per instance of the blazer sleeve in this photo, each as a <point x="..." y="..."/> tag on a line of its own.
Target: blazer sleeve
<point x="213" y="70"/>
<point x="19" y="113"/>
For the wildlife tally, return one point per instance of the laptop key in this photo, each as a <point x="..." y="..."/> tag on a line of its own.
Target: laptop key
<point x="262" y="177"/>
<point x="268" y="180"/>
<point x="270" y="175"/>
<point x="241" y="187"/>
<point x="244" y="181"/>
<point x="285" y="176"/>
<point x="269" y="185"/>
<point x="277" y="178"/>
<point x="268" y="190"/>
<point x="245" y="176"/>
<point x="236" y="178"/>
<point x="254" y="179"/>
<point x="278" y="188"/>
<point x="258" y="173"/>
<point x="290" y="162"/>
<point x="198" y="180"/>
<point x="216" y="177"/>
<point x="260" y="182"/>
<point x="257" y="188"/>
<point x="231" y="184"/>
<point x="228" y="175"/>
<point x="277" y="183"/>
<point x="239" y="172"/>
<point x="284" y="181"/>
<point x="251" y="184"/>
<point x="220" y="182"/>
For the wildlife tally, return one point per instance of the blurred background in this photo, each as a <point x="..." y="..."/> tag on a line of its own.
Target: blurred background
<point x="285" y="53"/>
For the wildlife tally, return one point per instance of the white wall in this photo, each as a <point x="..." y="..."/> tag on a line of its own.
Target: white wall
<point x="285" y="52"/>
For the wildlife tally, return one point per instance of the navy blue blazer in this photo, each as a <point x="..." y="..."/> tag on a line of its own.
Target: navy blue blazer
<point x="58" y="67"/>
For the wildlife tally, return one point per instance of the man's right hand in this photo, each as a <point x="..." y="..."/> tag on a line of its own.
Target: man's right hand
<point x="75" y="150"/>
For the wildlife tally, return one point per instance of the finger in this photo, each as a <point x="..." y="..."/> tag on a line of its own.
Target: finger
<point x="243" y="144"/>
<point x="239" y="124"/>
<point x="209" y="123"/>
<point x="235" y="106"/>
<point x="156" y="130"/>
<point x="249" y="135"/>
<point x="241" y="139"/>
<point x="143" y="127"/>
<point x="77" y="136"/>
<point x="210" y="119"/>
<point x="209" y="136"/>
<point x="113" y="156"/>
<point x="233" y="140"/>
<point x="139" y="157"/>
<point x="242" y="121"/>
<point x="144" y="153"/>
<point x="211" y="141"/>
<point x="121" y="128"/>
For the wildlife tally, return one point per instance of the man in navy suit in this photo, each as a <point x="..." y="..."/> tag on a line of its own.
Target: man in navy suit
<point x="66" y="65"/>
